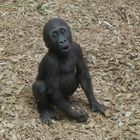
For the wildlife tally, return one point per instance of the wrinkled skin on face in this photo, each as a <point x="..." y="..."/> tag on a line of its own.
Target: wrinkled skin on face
<point x="57" y="36"/>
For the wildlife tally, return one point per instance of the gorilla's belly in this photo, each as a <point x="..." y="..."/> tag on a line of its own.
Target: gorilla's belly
<point x="68" y="84"/>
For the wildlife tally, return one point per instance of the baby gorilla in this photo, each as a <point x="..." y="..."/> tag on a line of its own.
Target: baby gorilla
<point x="60" y="72"/>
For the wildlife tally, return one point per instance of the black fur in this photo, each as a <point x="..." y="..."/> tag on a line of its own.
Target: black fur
<point x="60" y="72"/>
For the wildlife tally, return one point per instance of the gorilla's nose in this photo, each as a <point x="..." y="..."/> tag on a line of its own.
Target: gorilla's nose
<point x="62" y="42"/>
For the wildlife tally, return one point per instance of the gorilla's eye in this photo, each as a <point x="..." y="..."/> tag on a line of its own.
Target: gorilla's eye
<point x="54" y="34"/>
<point x="62" y="30"/>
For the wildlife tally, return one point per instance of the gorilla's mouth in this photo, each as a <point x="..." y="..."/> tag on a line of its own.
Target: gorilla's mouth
<point x="65" y="48"/>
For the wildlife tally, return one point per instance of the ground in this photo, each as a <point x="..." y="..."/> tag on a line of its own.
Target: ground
<point x="109" y="34"/>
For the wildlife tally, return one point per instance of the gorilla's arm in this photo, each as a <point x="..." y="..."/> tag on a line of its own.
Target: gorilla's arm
<point x="86" y="83"/>
<point x="41" y="69"/>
